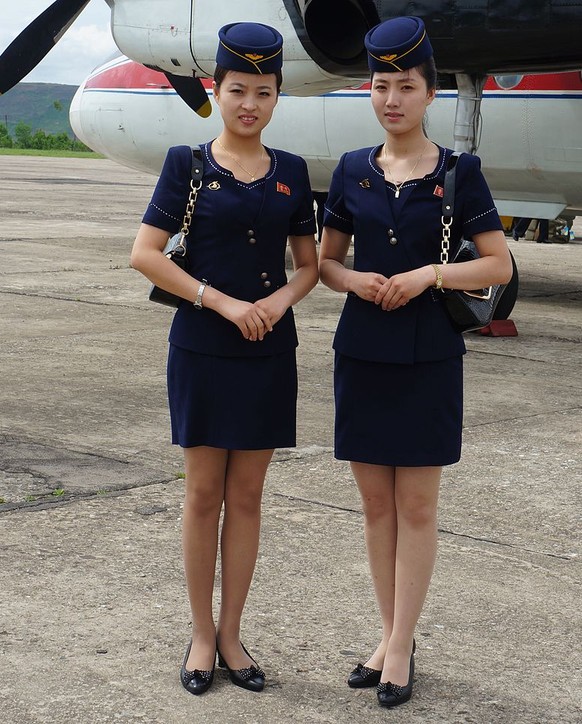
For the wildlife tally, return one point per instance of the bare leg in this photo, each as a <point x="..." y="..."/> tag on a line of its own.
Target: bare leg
<point x="245" y="477"/>
<point x="416" y="496"/>
<point x="205" y="476"/>
<point x="376" y="486"/>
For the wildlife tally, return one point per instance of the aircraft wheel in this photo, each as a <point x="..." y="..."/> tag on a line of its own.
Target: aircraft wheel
<point x="509" y="296"/>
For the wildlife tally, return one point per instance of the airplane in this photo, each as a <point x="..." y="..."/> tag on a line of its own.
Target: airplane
<point x="324" y="49"/>
<point x="324" y="53"/>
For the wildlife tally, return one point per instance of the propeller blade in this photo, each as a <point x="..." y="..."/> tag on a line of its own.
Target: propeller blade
<point x="35" y="41"/>
<point x="192" y="92"/>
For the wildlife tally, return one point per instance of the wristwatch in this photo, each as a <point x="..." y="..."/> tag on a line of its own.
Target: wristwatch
<point x="439" y="277"/>
<point x="198" y="301"/>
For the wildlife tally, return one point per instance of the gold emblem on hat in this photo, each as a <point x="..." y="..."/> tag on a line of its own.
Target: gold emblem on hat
<point x="214" y="186"/>
<point x="365" y="183"/>
<point x="254" y="56"/>
<point x="389" y="58"/>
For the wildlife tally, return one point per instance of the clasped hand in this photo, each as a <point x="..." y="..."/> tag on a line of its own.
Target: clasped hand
<point x="390" y="293"/>
<point x="256" y="319"/>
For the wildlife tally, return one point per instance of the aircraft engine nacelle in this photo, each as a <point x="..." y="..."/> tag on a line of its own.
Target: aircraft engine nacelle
<point x="155" y="39"/>
<point x="333" y="32"/>
<point x="494" y="37"/>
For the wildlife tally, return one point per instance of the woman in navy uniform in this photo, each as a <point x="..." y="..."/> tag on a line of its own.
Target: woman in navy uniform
<point x="398" y="365"/>
<point x="232" y="381"/>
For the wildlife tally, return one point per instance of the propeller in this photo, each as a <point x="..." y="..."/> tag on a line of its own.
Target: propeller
<point x="35" y="41"/>
<point x="192" y="92"/>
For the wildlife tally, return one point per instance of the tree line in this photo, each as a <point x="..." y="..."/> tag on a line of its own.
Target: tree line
<point x="24" y="137"/>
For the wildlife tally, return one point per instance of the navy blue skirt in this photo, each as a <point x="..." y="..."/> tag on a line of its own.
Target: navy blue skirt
<point x="234" y="403"/>
<point x="396" y="414"/>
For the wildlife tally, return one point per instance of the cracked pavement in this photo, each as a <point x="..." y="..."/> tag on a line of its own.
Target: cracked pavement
<point x="93" y="610"/>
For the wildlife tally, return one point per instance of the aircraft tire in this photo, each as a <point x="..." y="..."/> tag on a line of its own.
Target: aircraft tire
<point x="509" y="296"/>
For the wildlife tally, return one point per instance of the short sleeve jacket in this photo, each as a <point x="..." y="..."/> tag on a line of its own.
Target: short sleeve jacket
<point x="237" y="242"/>
<point x="393" y="236"/>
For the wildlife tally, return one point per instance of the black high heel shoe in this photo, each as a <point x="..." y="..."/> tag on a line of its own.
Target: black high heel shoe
<point x="196" y="681"/>
<point x="363" y="677"/>
<point x="390" y="694"/>
<point x="252" y="678"/>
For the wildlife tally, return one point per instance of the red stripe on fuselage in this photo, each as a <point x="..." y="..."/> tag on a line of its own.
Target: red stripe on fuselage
<point x="571" y="81"/>
<point x="134" y="76"/>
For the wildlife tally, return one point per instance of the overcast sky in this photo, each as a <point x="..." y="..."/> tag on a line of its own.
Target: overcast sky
<point x="86" y="44"/>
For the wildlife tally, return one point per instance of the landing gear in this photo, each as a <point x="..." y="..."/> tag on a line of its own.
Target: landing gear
<point x="468" y="113"/>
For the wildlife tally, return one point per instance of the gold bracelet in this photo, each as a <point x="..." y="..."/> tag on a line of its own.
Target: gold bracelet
<point x="439" y="277"/>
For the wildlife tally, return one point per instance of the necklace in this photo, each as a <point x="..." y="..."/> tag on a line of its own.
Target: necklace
<point x="252" y="176"/>
<point x="412" y="170"/>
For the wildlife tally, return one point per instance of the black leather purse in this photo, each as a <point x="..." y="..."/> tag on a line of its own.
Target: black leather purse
<point x="176" y="249"/>
<point x="467" y="309"/>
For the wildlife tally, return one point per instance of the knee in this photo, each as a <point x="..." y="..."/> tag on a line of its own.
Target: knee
<point x="244" y="499"/>
<point x="203" y="501"/>
<point x="417" y="512"/>
<point x="377" y="508"/>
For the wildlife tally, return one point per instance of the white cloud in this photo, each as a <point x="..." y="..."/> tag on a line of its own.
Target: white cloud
<point x="86" y="44"/>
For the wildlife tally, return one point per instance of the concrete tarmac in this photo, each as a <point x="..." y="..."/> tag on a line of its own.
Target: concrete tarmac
<point x="94" y="617"/>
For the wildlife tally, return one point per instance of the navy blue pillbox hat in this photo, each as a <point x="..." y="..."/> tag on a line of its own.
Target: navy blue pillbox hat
<point x="397" y="44"/>
<point x="250" y="48"/>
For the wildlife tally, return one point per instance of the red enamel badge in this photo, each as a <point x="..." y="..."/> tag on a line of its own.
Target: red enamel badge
<point x="438" y="191"/>
<point x="283" y="188"/>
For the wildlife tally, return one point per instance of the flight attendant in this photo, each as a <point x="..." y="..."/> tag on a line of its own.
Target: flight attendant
<point x="232" y="380"/>
<point x="398" y="363"/>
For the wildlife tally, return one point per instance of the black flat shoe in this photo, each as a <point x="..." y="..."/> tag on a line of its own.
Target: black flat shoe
<point x="251" y="678"/>
<point x="196" y="681"/>
<point x="390" y="694"/>
<point x="363" y="677"/>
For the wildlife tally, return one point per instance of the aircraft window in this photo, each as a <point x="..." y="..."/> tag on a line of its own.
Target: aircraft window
<point x="508" y="81"/>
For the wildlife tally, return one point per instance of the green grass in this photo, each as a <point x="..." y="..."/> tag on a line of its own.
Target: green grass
<point x="54" y="153"/>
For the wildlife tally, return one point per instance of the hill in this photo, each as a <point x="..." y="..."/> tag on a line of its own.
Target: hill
<point x="34" y="103"/>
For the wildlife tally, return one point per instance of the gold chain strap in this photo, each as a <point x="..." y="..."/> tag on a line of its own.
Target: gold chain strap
<point x="446" y="240"/>
<point x="180" y="248"/>
<point x="190" y="206"/>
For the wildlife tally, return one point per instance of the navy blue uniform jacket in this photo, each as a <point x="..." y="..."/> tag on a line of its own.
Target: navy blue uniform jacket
<point x="237" y="242"/>
<point x="393" y="236"/>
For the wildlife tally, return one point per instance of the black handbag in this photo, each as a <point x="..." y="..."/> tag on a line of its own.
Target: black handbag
<point x="177" y="249"/>
<point x="467" y="309"/>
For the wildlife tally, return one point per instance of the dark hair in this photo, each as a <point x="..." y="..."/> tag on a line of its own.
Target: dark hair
<point x="220" y="75"/>
<point x="426" y="69"/>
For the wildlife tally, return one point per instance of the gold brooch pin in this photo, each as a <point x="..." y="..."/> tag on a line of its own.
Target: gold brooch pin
<point x="214" y="186"/>
<point x="365" y="183"/>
